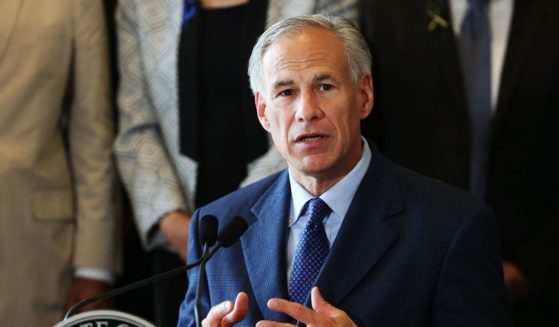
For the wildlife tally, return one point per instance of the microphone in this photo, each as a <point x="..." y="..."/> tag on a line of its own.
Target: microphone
<point x="229" y="235"/>
<point x="232" y="231"/>
<point x="207" y="231"/>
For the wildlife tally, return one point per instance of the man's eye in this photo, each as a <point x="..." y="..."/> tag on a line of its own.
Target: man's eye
<point x="285" y="93"/>
<point x="326" y="87"/>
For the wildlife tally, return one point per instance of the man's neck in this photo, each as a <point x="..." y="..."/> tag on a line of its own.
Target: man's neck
<point x="315" y="185"/>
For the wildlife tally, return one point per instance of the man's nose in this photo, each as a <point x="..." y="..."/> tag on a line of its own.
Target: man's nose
<point x="308" y="108"/>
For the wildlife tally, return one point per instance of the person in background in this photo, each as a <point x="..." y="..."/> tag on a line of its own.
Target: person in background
<point x="187" y="131"/>
<point x="467" y="93"/>
<point x="343" y="237"/>
<point x="59" y="231"/>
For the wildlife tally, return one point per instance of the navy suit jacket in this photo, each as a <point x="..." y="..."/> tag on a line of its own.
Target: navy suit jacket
<point x="411" y="251"/>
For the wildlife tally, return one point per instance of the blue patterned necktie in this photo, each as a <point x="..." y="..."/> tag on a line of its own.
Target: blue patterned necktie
<point x="475" y="54"/>
<point x="311" y="252"/>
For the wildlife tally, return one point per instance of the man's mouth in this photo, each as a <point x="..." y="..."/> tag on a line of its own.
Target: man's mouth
<point x="310" y="138"/>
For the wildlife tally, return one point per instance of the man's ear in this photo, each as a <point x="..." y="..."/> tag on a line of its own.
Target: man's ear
<point x="366" y="95"/>
<point x="260" y="103"/>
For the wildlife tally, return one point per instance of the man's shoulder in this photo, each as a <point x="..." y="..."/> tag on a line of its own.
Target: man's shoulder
<point x="420" y="193"/>
<point x="434" y="212"/>
<point x="436" y="198"/>
<point x="242" y="200"/>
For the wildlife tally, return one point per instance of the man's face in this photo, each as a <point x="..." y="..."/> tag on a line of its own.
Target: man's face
<point x="311" y="106"/>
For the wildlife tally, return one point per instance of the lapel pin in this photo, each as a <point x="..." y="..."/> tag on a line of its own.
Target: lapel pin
<point x="436" y="20"/>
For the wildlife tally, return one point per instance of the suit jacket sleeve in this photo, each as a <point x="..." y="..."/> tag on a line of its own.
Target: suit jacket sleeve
<point x="145" y="165"/>
<point x="470" y="290"/>
<point x="91" y="133"/>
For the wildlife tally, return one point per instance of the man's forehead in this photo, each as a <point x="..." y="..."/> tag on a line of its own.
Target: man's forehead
<point x="310" y="35"/>
<point x="300" y="51"/>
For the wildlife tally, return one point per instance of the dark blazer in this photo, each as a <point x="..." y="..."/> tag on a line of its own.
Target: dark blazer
<point x="411" y="251"/>
<point x="420" y="119"/>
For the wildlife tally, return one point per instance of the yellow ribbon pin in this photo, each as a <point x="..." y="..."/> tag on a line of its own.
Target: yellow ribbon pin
<point x="436" y="20"/>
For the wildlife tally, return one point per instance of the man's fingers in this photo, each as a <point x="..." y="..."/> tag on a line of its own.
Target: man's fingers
<point x="216" y="314"/>
<point x="268" y="323"/>
<point x="323" y="314"/>
<point x="319" y="304"/>
<point x="295" y="310"/>
<point x="240" y="309"/>
<point x="226" y="313"/>
<point x="330" y="315"/>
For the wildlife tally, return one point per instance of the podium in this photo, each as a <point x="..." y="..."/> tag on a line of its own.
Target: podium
<point x="104" y="318"/>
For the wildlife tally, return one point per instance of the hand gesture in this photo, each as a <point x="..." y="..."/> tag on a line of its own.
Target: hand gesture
<point x="226" y="313"/>
<point x="322" y="314"/>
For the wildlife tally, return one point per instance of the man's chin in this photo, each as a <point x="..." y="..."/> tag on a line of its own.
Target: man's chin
<point x="312" y="169"/>
<point x="313" y="164"/>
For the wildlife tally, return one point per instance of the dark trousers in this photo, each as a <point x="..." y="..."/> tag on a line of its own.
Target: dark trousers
<point x="169" y="293"/>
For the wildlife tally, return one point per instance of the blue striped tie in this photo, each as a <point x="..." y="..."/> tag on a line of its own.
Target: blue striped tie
<point x="475" y="54"/>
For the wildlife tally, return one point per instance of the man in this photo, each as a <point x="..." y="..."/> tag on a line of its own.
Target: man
<point x="58" y="226"/>
<point x="175" y="121"/>
<point x="424" y="120"/>
<point x="401" y="249"/>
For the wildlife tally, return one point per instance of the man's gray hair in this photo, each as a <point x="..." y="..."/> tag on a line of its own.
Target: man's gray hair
<point x="356" y="48"/>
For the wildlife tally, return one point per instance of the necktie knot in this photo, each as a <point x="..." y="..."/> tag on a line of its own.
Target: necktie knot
<point x="476" y="22"/>
<point x="317" y="210"/>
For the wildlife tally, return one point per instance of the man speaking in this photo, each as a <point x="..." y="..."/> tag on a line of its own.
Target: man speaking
<point x="343" y="237"/>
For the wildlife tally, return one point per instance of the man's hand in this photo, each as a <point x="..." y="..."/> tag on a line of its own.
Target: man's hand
<point x="83" y="288"/>
<point x="516" y="283"/>
<point x="226" y="313"/>
<point x="174" y="227"/>
<point x="321" y="314"/>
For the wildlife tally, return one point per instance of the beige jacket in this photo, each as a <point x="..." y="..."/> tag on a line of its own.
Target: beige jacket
<point x="57" y="191"/>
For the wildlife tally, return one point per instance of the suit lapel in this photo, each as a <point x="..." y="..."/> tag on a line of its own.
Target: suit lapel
<point x="526" y="20"/>
<point x="442" y="42"/>
<point x="10" y="11"/>
<point x="265" y="250"/>
<point x="364" y="236"/>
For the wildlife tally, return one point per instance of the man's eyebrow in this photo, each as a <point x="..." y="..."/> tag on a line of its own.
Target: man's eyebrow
<point x="316" y="78"/>
<point x="322" y="76"/>
<point x="283" y="82"/>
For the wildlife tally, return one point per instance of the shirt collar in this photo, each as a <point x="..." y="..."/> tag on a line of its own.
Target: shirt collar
<point x="339" y="196"/>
